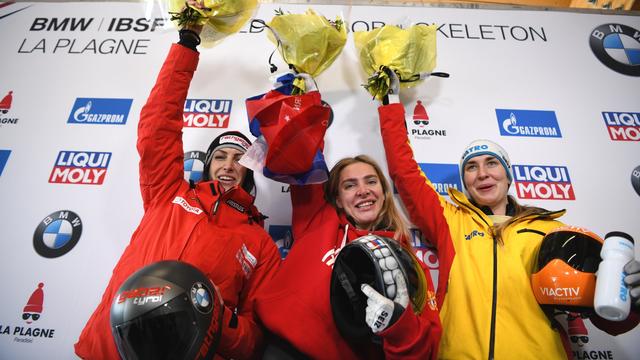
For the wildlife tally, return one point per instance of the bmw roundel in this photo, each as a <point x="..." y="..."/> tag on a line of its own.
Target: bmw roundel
<point x="201" y="298"/>
<point x="194" y="165"/>
<point x="57" y="234"/>
<point x="618" y="47"/>
<point x="635" y="179"/>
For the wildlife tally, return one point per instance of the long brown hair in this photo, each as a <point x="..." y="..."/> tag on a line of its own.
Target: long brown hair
<point x="520" y="212"/>
<point x="389" y="217"/>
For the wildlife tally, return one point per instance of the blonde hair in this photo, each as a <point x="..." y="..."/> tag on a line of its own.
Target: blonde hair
<point x="390" y="217"/>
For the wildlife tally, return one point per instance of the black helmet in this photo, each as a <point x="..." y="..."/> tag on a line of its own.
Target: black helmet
<point x="372" y="260"/>
<point x="167" y="310"/>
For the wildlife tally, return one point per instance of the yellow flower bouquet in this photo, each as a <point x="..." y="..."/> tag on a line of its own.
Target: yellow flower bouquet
<point x="410" y="53"/>
<point x="309" y="43"/>
<point x="219" y="18"/>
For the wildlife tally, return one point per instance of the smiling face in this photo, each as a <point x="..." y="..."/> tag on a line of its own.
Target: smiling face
<point x="360" y="194"/>
<point x="486" y="181"/>
<point x="226" y="169"/>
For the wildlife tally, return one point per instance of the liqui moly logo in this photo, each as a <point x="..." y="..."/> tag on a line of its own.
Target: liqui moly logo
<point x="80" y="167"/>
<point x="207" y="113"/>
<point x="622" y="126"/>
<point x="543" y="182"/>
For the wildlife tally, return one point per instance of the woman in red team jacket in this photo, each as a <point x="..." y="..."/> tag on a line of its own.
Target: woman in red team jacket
<point x="295" y="305"/>
<point x="211" y="224"/>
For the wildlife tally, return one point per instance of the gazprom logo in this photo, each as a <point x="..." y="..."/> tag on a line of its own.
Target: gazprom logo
<point x="543" y="182"/>
<point x="100" y="111"/>
<point x="442" y="176"/>
<point x="207" y="113"/>
<point x="622" y="126"/>
<point x="532" y="123"/>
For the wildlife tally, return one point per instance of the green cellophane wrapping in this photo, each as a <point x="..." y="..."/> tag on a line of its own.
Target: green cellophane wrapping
<point x="309" y="42"/>
<point x="409" y="52"/>
<point x="220" y="19"/>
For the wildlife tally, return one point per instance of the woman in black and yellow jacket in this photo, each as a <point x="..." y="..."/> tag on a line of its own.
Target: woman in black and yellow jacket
<point x="487" y="251"/>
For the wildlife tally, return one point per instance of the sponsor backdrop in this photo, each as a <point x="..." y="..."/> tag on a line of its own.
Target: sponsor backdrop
<point x="559" y="90"/>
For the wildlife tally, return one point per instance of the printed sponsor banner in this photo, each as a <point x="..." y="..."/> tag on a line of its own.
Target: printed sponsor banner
<point x="534" y="123"/>
<point x="100" y="111"/>
<point x="622" y="126"/>
<point x="543" y="182"/>
<point x="80" y="167"/>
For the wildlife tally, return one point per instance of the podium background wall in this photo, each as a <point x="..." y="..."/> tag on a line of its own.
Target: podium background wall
<point x="530" y="80"/>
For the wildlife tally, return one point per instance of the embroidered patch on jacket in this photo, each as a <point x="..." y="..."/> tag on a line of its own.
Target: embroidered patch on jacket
<point x="185" y="205"/>
<point x="473" y="234"/>
<point x="431" y="300"/>
<point x="247" y="260"/>
<point x="236" y="205"/>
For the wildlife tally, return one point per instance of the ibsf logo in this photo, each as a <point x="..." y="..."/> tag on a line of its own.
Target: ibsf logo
<point x="617" y="46"/>
<point x="531" y="123"/>
<point x="622" y="126"/>
<point x="5" y="106"/>
<point x="543" y="182"/>
<point x="80" y="167"/>
<point x="4" y="157"/>
<point x="442" y="176"/>
<point x="194" y="165"/>
<point x="419" y="121"/>
<point x="100" y="111"/>
<point x="57" y="234"/>
<point x="635" y="179"/>
<point x="207" y="113"/>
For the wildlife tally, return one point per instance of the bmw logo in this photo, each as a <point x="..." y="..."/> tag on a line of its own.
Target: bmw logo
<point x="618" y="47"/>
<point x="201" y="298"/>
<point x="635" y="179"/>
<point x="57" y="234"/>
<point x="194" y="165"/>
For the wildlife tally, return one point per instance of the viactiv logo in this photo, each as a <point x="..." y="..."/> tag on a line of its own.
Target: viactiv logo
<point x="443" y="176"/>
<point x="532" y="123"/>
<point x="617" y="46"/>
<point x="100" y="111"/>
<point x="194" y="165"/>
<point x="57" y="234"/>
<point x="4" y="157"/>
<point x="544" y="182"/>
<point x="80" y="167"/>
<point x="622" y="126"/>
<point x="207" y="113"/>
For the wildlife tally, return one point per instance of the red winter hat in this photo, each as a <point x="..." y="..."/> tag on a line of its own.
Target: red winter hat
<point x="419" y="112"/>
<point x="34" y="305"/>
<point x="576" y="326"/>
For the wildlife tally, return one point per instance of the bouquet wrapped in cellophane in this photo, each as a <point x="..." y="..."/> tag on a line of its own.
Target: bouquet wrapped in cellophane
<point x="309" y="43"/>
<point x="218" y="18"/>
<point x="290" y="121"/>
<point x="410" y="53"/>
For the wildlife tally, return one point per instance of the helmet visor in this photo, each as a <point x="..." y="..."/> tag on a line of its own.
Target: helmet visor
<point x="578" y="250"/>
<point x="167" y="332"/>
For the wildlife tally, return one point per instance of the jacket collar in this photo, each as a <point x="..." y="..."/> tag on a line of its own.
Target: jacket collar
<point x="462" y="201"/>
<point x="212" y="196"/>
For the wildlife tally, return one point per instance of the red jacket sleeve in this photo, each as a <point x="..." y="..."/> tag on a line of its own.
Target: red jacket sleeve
<point x="306" y="202"/>
<point x="242" y="335"/>
<point x="160" y="126"/>
<point x="423" y="204"/>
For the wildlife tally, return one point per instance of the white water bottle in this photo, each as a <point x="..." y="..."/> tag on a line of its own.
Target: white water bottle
<point x="612" y="299"/>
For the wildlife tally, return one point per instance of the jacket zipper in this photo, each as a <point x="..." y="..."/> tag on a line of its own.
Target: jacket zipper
<point x="494" y="300"/>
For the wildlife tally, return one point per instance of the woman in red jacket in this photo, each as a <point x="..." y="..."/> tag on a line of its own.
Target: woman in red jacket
<point x="295" y="305"/>
<point x="211" y="224"/>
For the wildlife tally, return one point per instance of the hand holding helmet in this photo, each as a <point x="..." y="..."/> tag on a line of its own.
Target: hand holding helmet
<point x="632" y="269"/>
<point x="382" y="312"/>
